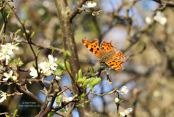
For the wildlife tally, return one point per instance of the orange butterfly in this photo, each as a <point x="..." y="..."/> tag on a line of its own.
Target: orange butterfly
<point x="106" y="53"/>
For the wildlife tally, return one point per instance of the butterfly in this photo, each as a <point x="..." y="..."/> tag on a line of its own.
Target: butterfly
<point x="106" y="53"/>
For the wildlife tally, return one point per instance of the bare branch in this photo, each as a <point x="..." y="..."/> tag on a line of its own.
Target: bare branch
<point x="166" y="2"/>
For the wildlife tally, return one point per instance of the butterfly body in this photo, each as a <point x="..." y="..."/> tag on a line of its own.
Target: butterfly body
<point x="106" y="57"/>
<point x="106" y="53"/>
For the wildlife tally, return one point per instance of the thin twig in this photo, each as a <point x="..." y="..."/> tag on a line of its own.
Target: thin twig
<point x="48" y="109"/>
<point x="76" y="9"/>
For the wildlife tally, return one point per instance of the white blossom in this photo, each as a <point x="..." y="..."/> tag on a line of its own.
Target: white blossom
<point x="159" y="17"/>
<point x="15" y="37"/>
<point x="57" y="78"/>
<point x="52" y="63"/>
<point x="43" y="65"/>
<point x="46" y="3"/>
<point x="149" y="20"/>
<point x="122" y="114"/>
<point x="27" y="31"/>
<point x="8" y="48"/>
<point x="67" y="99"/>
<point x="33" y="72"/>
<point x="3" y="96"/>
<point x="70" y="99"/>
<point x="126" y="112"/>
<point x="45" y="68"/>
<point x="41" y="11"/>
<point x="4" y="56"/>
<point x="90" y="4"/>
<point x="7" y="51"/>
<point x="14" y="78"/>
<point x="124" y="90"/>
<point x="47" y="72"/>
<point x="9" y="76"/>
<point x="116" y="100"/>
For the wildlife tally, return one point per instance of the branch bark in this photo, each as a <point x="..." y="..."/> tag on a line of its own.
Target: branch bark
<point x="65" y="16"/>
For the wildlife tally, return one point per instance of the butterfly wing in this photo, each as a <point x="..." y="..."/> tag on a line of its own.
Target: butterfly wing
<point x="107" y="47"/>
<point x="93" y="47"/>
<point x="118" y="56"/>
<point x="117" y="65"/>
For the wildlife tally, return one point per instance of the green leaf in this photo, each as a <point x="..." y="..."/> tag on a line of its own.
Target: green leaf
<point x="18" y="31"/>
<point x="92" y="88"/>
<point x="58" y="72"/>
<point x="81" y="97"/>
<point x="23" y="20"/>
<point x="15" y="61"/>
<point x="68" y="66"/>
<point x="80" y="80"/>
<point x="19" y="60"/>
<point x="62" y="109"/>
<point x="24" y="35"/>
<point x="38" y="53"/>
<point x="61" y="65"/>
<point x="10" y="12"/>
<point x="7" y="115"/>
<point x="58" y="100"/>
<point x="50" y="114"/>
<point x="94" y="81"/>
<point x="52" y="50"/>
<point x="81" y="105"/>
<point x="84" y="78"/>
<point x="91" y="70"/>
<point x="110" y="92"/>
<point x="86" y="82"/>
<point x="33" y="65"/>
<point x="32" y="34"/>
<point x="10" y="60"/>
<point x="100" y="11"/>
<point x="80" y="73"/>
<point x="17" y="44"/>
<point x="67" y="54"/>
<point x="118" y="114"/>
<point x="15" y="112"/>
<point x="5" y="15"/>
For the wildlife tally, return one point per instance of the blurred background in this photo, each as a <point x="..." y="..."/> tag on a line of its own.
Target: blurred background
<point x="148" y="74"/>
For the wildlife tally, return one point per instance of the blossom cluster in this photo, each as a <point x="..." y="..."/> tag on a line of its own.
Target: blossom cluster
<point x="45" y="68"/>
<point x="126" y="112"/>
<point x="7" y="51"/>
<point x="90" y="4"/>
<point x="123" y="90"/>
<point x="159" y="17"/>
<point x="9" y="76"/>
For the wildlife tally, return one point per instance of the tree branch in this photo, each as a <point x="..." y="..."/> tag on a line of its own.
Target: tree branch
<point x="29" y="94"/>
<point x="76" y="9"/>
<point x="166" y="2"/>
<point x="48" y="109"/>
<point x="65" y="17"/>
